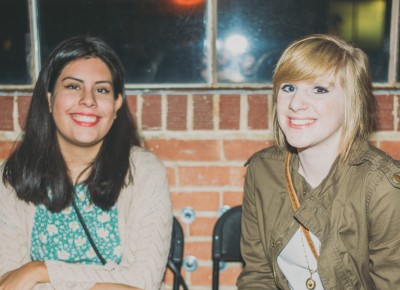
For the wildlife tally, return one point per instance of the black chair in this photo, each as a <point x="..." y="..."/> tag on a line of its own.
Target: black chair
<point x="226" y="241"/>
<point x="175" y="256"/>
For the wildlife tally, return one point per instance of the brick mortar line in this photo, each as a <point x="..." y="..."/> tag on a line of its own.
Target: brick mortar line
<point x="189" y="112"/>
<point x="139" y="112"/>
<point x="202" y="163"/>
<point x="190" y="238"/>
<point x="265" y="135"/>
<point x="244" y="112"/>
<point x="206" y="189"/>
<point x="395" y="115"/>
<point x="15" y="114"/>
<point x="130" y="92"/>
<point x="164" y="112"/>
<point x="199" y="214"/>
<point x="220" y="199"/>
<point x="385" y="136"/>
<point x="221" y="149"/>
<point x="9" y="136"/>
<point x="249" y="135"/>
<point x="216" y="112"/>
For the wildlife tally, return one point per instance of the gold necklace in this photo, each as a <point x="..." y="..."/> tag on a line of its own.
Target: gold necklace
<point x="310" y="282"/>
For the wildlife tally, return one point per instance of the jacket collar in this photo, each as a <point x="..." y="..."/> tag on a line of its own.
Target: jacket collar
<point x="359" y="153"/>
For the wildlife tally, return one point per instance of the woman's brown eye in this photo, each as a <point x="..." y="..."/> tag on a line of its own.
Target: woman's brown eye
<point x="103" y="91"/>
<point x="72" y="87"/>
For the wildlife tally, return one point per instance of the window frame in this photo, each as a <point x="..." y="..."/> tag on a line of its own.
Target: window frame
<point x="211" y="35"/>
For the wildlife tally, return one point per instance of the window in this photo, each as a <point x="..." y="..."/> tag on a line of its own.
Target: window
<point x="261" y="30"/>
<point x="159" y="41"/>
<point x="14" y="42"/>
<point x="195" y="43"/>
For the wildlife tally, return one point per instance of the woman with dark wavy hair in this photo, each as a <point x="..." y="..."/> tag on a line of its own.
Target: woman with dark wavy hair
<point x="82" y="205"/>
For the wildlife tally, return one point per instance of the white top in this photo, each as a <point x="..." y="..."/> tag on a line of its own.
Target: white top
<point x="293" y="263"/>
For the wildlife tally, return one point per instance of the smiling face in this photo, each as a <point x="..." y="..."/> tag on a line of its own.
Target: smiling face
<point x="83" y="104"/>
<point x="311" y="113"/>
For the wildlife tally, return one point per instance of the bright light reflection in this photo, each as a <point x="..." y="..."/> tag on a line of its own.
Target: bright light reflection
<point x="188" y="2"/>
<point x="236" y="44"/>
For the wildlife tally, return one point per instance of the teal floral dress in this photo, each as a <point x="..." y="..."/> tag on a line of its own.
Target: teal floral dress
<point x="60" y="236"/>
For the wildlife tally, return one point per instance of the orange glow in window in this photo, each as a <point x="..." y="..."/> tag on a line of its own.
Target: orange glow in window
<point x="188" y="2"/>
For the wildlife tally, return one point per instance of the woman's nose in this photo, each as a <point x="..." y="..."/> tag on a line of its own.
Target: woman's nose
<point x="88" y="99"/>
<point x="298" y="101"/>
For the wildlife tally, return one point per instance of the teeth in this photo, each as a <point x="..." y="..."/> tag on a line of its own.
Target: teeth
<point x="301" y="122"/>
<point x="85" y="119"/>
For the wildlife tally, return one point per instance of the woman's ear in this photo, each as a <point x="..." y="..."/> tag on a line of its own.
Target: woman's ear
<point x="49" y="101"/>
<point x="118" y="102"/>
<point x="117" y="105"/>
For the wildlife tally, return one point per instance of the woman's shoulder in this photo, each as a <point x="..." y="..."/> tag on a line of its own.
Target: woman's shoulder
<point x="6" y="190"/>
<point x="379" y="158"/>
<point x="12" y="209"/>
<point x="273" y="153"/>
<point x="143" y="160"/>
<point x="379" y="163"/>
<point x="147" y="172"/>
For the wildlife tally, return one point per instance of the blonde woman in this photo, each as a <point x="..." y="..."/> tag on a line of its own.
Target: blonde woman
<point x="321" y="209"/>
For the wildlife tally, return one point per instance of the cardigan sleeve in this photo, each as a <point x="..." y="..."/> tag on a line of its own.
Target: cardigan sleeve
<point x="14" y="234"/>
<point x="146" y="210"/>
<point x="15" y="221"/>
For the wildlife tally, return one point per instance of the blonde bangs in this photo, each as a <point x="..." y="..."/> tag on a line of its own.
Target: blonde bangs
<point x="308" y="61"/>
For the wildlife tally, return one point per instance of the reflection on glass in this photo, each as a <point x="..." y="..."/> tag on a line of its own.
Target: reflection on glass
<point x="14" y="42"/>
<point x="367" y="24"/>
<point x="268" y="26"/>
<point x="159" y="41"/>
<point x="233" y="59"/>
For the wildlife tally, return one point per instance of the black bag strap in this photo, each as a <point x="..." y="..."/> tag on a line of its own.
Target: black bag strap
<point x="78" y="213"/>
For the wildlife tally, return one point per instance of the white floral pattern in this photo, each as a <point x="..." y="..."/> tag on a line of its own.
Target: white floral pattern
<point x="60" y="236"/>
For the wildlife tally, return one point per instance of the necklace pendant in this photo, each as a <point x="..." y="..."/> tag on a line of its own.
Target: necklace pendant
<point x="310" y="283"/>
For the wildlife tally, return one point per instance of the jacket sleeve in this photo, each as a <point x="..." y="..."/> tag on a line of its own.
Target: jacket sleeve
<point x="257" y="273"/>
<point x="384" y="232"/>
<point x="147" y="236"/>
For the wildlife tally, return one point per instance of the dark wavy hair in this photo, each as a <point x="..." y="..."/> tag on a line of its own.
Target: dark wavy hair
<point x="36" y="167"/>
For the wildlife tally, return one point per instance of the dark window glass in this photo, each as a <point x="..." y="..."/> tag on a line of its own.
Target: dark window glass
<point x="366" y="23"/>
<point x="159" y="41"/>
<point x="14" y="42"/>
<point x="253" y="33"/>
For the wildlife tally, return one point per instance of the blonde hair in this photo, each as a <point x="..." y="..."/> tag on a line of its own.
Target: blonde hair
<point x="315" y="55"/>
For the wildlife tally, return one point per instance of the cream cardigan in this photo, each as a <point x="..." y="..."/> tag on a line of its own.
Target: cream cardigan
<point x="145" y="223"/>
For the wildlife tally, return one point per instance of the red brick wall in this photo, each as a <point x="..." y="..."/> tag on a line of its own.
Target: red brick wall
<point x="204" y="138"/>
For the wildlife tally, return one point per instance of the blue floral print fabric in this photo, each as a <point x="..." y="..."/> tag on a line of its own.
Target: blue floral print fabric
<point x="60" y="236"/>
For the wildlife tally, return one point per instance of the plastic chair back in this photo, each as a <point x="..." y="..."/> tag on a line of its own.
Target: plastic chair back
<point x="226" y="241"/>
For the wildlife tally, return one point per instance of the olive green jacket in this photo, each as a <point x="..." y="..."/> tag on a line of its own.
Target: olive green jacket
<point x="354" y="212"/>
